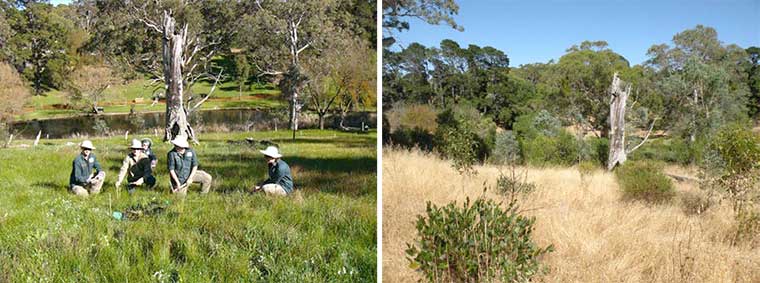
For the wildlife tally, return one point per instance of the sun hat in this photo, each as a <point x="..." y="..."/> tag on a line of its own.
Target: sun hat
<point x="271" y="151"/>
<point x="136" y="144"/>
<point x="87" y="144"/>
<point x="181" y="141"/>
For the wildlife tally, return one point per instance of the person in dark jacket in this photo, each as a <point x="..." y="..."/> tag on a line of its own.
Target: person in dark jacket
<point x="280" y="180"/>
<point x="183" y="168"/>
<point x="86" y="175"/>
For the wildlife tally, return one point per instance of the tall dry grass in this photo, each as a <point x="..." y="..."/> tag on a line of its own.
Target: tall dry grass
<point x="597" y="236"/>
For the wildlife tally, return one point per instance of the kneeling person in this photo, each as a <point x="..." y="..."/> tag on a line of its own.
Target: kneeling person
<point x="83" y="180"/>
<point x="280" y="180"/>
<point x="137" y="168"/>
<point x="183" y="168"/>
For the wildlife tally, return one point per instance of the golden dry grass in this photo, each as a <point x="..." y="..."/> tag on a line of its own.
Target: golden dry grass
<point x="597" y="237"/>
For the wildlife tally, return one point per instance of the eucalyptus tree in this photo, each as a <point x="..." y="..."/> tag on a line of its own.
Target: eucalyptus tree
<point x="280" y="34"/>
<point x="38" y="44"/>
<point x="342" y="76"/>
<point x="396" y="14"/>
<point x="753" y="79"/>
<point x="703" y="81"/>
<point x="585" y="73"/>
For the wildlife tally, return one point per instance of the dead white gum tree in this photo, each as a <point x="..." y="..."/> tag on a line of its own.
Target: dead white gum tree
<point x="619" y="91"/>
<point x="178" y="52"/>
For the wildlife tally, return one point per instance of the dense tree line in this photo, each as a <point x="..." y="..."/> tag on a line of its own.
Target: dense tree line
<point x="688" y="88"/>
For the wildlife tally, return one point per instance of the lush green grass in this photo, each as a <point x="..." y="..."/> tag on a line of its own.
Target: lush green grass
<point x="117" y="99"/>
<point x="324" y="232"/>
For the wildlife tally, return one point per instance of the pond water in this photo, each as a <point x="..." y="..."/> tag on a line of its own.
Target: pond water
<point x="205" y="120"/>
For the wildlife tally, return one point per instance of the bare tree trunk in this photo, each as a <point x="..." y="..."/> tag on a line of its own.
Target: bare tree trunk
<point x="37" y="139"/>
<point x="294" y="113"/>
<point x="176" y="114"/>
<point x="693" y="132"/>
<point x="10" y="139"/>
<point x="619" y="91"/>
<point x="321" y="120"/>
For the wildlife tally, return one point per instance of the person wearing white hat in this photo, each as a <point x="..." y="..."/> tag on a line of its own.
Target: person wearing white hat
<point x="280" y="180"/>
<point x="136" y="167"/>
<point x="183" y="168"/>
<point x="83" y="181"/>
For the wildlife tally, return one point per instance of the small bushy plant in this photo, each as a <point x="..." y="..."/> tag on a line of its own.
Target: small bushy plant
<point x="410" y="138"/>
<point x="506" y="149"/>
<point x="477" y="242"/>
<point x="513" y="184"/>
<point x="546" y="150"/>
<point x="644" y="180"/>
<point x="731" y="168"/>
<point x="455" y="140"/>
<point x="101" y="127"/>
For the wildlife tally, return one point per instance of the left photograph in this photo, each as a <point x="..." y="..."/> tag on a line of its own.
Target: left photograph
<point x="188" y="141"/>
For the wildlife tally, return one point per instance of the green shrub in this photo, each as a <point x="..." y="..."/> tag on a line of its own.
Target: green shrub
<point x="537" y="124"/>
<point x="409" y="138"/>
<point x="513" y="184"/>
<point x="506" y="149"/>
<point x="738" y="148"/>
<point x="546" y="150"/>
<point x="731" y="168"/>
<point x="596" y="150"/>
<point x="481" y="242"/>
<point x="674" y="150"/>
<point x="455" y="140"/>
<point x="644" y="180"/>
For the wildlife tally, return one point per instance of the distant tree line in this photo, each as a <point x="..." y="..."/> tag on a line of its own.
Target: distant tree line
<point x="688" y="88"/>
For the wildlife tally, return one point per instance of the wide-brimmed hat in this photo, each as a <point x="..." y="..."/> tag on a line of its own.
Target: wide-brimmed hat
<point x="181" y="141"/>
<point x="271" y="151"/>
<point x="87" y="144"/>
<point x="136" y="144"/>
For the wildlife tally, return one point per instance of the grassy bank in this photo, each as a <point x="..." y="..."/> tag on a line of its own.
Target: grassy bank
<point x="119" y="99"/>
<point x="597" y="236"/>
<point x="324" y="232"/>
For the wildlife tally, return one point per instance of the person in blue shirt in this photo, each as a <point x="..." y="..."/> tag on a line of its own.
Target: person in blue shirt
<point x="86" y="175"/>
<point x="280" y="180"/>
<point x="183" y="168"/>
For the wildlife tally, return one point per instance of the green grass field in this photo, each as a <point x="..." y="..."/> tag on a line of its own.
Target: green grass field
<point x="325" y="231"/>
<point x="118" y="99"/>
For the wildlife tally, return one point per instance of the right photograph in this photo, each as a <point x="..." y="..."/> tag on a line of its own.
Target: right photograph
<point x="559" y="141"/>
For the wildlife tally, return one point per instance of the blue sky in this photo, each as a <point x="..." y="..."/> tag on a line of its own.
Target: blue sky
<point x="537" y="31"/>
<point x="56" y="2"/>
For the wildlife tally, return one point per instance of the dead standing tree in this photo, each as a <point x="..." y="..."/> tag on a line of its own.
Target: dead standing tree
<point x="182" y="55"/>
<point x="619" y="91"/>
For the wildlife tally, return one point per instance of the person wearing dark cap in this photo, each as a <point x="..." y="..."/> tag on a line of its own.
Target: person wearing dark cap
<point x="86" y="176"/>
